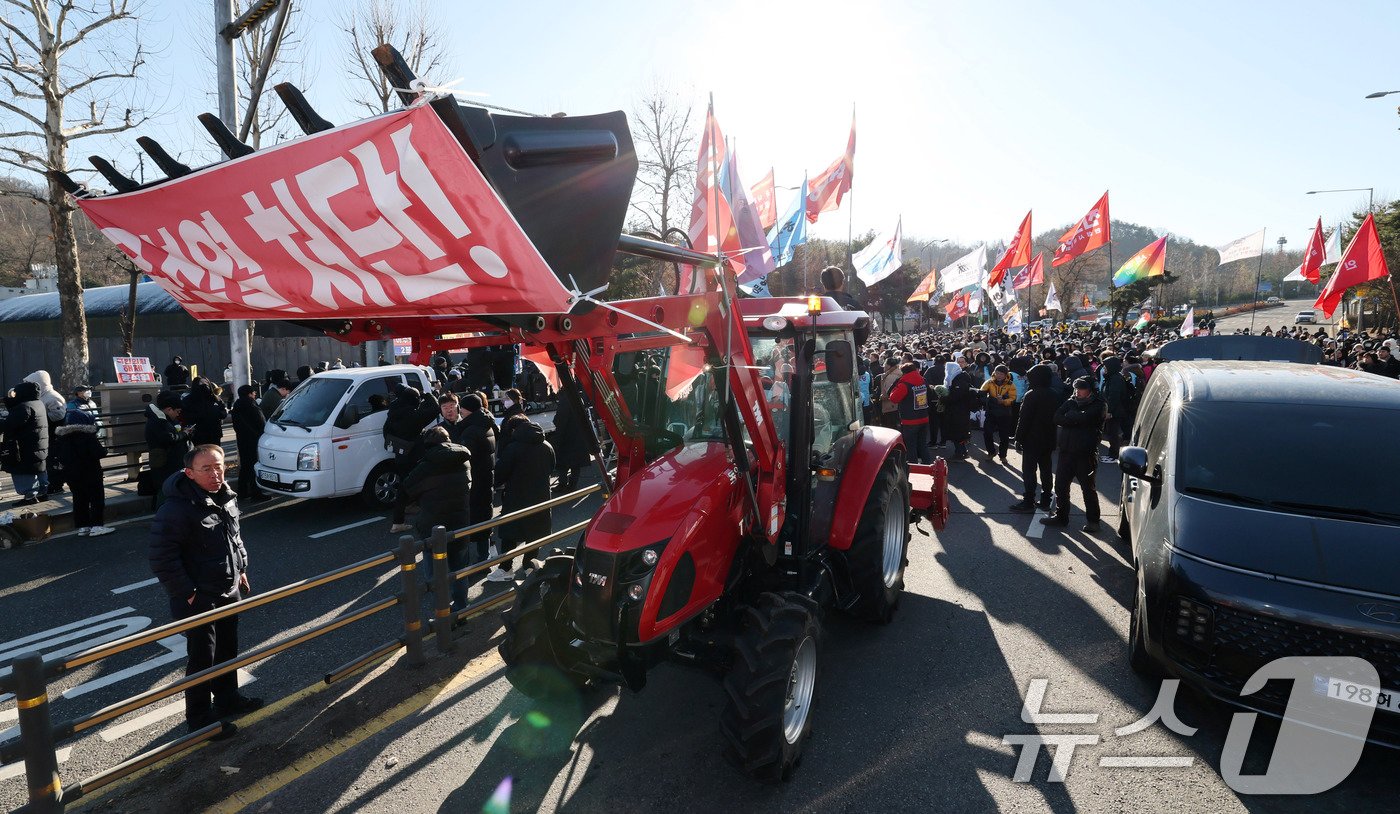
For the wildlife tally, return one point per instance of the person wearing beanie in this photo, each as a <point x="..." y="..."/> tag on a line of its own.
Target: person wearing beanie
<point x="76" y="444"/>
<point x="910" y="394"/>
<point x="998" y="394"/>
<point x="1079" y="421"/>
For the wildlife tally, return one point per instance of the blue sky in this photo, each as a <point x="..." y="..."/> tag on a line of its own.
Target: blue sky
<point x="1210" y="119"/>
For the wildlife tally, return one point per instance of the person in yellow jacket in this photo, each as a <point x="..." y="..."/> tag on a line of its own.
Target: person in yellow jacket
<point x="998" y="394"/>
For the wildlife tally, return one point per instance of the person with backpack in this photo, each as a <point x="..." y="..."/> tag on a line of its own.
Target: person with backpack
<point x="910" y="394"/>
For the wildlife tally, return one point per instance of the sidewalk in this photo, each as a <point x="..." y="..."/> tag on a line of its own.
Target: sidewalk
<point x="122" y="501"/>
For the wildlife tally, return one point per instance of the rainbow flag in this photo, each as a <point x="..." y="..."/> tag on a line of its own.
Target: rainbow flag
<point x="1150" y="262"/>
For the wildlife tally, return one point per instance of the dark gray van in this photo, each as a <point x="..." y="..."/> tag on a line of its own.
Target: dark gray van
<point x="1262" y="504"/>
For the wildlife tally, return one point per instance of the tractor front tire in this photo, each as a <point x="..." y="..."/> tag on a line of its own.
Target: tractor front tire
<point x="772" y="686"/>
<point x="879" y="551"/>
<point x="535" y="642"/>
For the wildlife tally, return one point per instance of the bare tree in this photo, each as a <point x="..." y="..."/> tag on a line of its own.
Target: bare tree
<point x="664" y="131"/>
<point x="62" y="64"/>
<point x="265" y="40"/>
<point x="408" y="26"/>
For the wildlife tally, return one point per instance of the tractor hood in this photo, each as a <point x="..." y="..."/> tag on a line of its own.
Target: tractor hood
<point x="695" y="479"/>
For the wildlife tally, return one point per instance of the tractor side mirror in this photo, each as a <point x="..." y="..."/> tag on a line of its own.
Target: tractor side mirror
<point x="840" y="361"/>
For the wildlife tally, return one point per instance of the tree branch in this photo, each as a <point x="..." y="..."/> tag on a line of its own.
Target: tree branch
<point x="116" y="15"/>
<point x="13" y="29"/>
<point x="6" y="192"/>
<point x="74" y="88"/>
<point x="23" y="114"/>
<point x="83" y="131"/>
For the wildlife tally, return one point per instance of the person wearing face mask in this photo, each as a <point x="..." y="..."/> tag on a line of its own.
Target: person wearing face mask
<point x="1078" y="421"/>
<point x="999" y="394"/>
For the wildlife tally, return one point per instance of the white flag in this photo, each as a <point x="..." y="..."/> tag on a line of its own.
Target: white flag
<point x="1296" y="275"/>
<point x="1052" y="300"/>
<point x="967" y="271"/>
<point x="880" y="259"/>
<point x="974" y="301"/>
<point x="1245" y="247"/>
<point x="1332" y="252"/>
<point x="1012" y="317"/>
<point x="1188" y="325"/>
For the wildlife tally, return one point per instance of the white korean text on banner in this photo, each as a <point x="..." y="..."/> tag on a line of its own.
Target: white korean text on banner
<point x="133" y="369"/>
<point x="387" y="216"/>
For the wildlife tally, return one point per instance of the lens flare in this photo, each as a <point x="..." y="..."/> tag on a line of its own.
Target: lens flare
<point x="500" y="799"/>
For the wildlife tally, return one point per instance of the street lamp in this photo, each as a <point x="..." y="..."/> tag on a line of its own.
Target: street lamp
<point x="1378" y="94"/>
<point x="1370" y="191"/>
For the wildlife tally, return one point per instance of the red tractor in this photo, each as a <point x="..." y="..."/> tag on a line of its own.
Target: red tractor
<point x="748" y="498"/>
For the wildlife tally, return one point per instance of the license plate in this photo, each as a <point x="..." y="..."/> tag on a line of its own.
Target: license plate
<point x="271" y="477"/>
<point x="1340" y="689"/>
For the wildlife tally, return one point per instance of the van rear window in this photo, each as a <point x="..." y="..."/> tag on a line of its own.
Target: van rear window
<point x="1295" y="457"/>
<point x="311" y="403"/>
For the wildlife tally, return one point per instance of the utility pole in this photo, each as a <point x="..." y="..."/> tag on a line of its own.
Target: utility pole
<point x="226" y="80"/>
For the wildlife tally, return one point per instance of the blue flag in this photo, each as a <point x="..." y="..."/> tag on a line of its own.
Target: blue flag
<point x="791" y="231"/>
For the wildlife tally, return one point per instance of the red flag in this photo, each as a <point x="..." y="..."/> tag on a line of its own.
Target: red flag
<point x="957" y="307"/>
<point x="1316" y="256"/>
<point x="1091" y="232"/>
<point x="1034" y="274"/>
<point x="1362" y="261"/>
<point x="1017" y="254"/>
<point x="712" y="228"/>
<point x="824" y="192"/>
<point x="765" y="199"/>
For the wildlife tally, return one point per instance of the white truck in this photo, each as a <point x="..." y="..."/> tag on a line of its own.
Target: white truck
<point x="326" y="440"/>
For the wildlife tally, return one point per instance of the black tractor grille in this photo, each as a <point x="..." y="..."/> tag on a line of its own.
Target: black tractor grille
<point x="1245" y="641"/>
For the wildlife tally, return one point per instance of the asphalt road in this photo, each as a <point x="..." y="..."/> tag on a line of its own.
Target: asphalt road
<point x="911" y="716"/>
<point x="1281" y="317"/>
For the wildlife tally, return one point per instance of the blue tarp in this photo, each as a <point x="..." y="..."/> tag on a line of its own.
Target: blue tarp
<point x="108" y="301"/>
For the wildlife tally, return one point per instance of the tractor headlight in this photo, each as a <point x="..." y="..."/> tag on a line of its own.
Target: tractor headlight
<point x="309" y="458"/>
<point x="649" y="557"/>
<point x="636" y="591"/>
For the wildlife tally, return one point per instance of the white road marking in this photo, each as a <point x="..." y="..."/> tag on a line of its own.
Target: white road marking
<point x="118" y="731"/>
<point x="86" y="639"/>
<point x="16" y="769"/>
<point x="1037" y="529"/>
<point x="38" y="641"/>
<point x="136" y="585"/>
<point x="328" y="532"/>
<point x="176" y="645"/>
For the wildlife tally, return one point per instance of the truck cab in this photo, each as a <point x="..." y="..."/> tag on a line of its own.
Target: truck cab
<point x="327" y="440"/>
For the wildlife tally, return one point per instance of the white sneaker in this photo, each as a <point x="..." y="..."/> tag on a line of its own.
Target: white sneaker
<point x="83" y="532"/>
<point x="500" y="575"/>
<point x="98" y="531"/>
<point x="398" y="527"/>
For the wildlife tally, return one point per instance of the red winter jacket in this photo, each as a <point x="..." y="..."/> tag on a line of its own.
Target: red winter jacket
<point x="910" y="411"/>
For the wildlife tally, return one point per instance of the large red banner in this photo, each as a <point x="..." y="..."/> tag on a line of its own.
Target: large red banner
<point x="384" y="217"/>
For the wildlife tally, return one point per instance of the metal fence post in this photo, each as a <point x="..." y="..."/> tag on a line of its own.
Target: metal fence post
<point x="412" y="601"/>
<point x="442" y="592"/>
<point x="36" y="734"/>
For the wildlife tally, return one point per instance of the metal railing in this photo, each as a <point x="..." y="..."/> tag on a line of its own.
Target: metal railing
<point x="31" y="674"/>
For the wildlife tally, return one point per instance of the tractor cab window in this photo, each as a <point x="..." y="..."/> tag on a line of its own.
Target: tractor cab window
<point x="694" y="415"/>
<point x="774" y="358"/>
<point x="834" y="404"/>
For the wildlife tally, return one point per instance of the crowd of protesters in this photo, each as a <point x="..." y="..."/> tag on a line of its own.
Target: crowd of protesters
<point x="1073" y="389"/>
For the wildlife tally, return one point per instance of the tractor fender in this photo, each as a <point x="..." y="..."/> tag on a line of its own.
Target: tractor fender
<point x="872" y="448"/>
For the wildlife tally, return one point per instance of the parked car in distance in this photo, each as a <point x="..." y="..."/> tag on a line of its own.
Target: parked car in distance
<point x="1273" y="300"/>
<point x="1306" y="317"/>
<point x="1238" y="559"/>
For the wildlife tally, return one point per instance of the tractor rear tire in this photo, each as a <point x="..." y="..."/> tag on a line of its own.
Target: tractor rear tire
<point x="879" y="552"/>
<point x="772" y="686"/>
<point x="534" y="647"/>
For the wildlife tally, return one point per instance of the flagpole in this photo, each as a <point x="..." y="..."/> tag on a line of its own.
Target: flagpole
<point x="1259" y="275"/>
